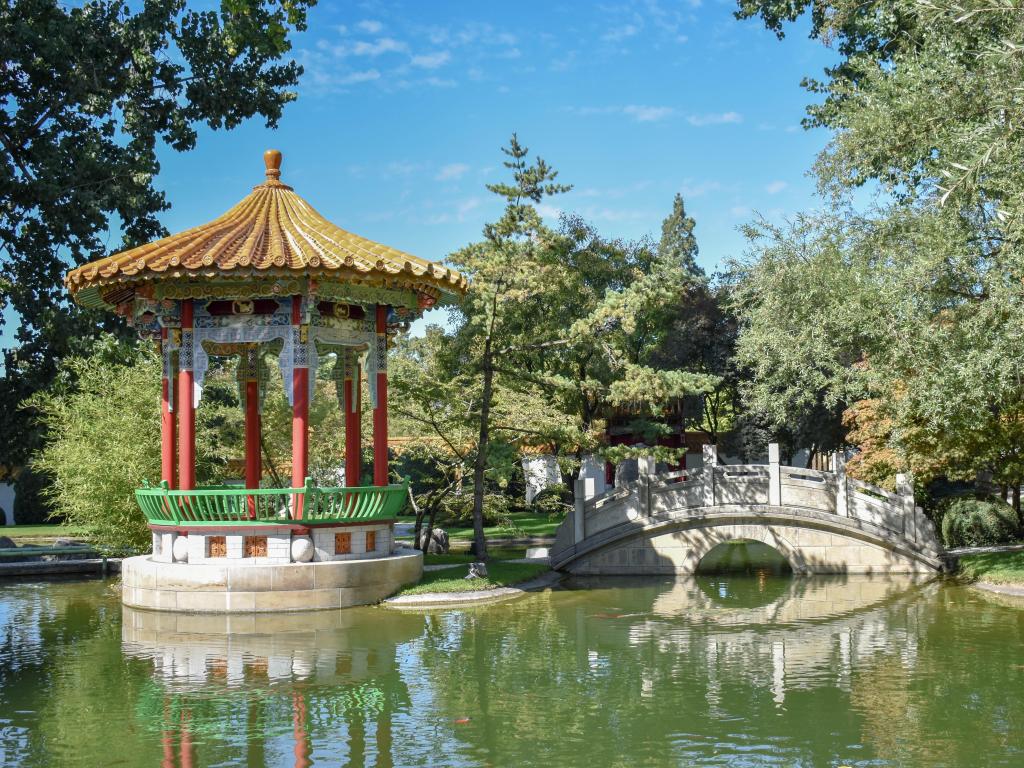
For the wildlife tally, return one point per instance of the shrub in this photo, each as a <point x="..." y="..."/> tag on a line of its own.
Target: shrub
<point x="31" y="505"/>
<point x="457" y="511"/>
<point x="554" y="501"/>
<point x="968" y="522"/>
<point x="103" y="442"/>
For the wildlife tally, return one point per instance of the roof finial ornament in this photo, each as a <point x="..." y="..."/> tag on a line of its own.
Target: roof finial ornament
<point x="272" y="159"/>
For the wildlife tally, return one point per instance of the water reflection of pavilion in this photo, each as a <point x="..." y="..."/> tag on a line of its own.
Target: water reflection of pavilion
<point x="258" y="682"/>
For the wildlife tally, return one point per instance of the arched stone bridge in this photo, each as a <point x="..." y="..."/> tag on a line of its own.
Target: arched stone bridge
<point x="821" y="522"/>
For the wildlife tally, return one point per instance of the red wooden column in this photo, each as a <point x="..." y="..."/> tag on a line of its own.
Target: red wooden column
<point x="353" y="421"/>
<point x="380" y="411"/>
<point x="252" y="425"/>
<point x="300" y="407"/>
<point x="252" y="434"/>
<point x="167" y="418"/>
<point x="186" y="410"/>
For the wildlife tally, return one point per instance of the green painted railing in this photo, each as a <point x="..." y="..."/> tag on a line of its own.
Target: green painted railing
<point x="234" y="505"/>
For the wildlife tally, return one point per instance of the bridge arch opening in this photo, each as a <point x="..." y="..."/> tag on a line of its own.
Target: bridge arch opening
<point x="744" y="573"/>
<point x="745" y="557"/>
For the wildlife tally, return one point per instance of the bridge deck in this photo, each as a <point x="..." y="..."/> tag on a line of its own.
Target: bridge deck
<point x="823" y="522"/>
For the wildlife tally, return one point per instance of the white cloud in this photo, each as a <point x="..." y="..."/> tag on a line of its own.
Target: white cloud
<point x="564" y="63"/>
<point x="400" y="168"/>
<point x="440" y="82"/>
<point x="739" y="212"/>
<point x="359" y="77"/>
<point x="715" y="118"/>
<point x="549" y="211"/>
<point x="462" y="210"/>
<point x="644" y="114"/>
<point x="775" y="187"/>
<point x="377" y="47"/>
<point x="431" y="60"/>
<point x="639" y="112"/>
<point x="595" y="213"/>
<point x="620" y="33"/>
<point x="370" y="26"/>
<point x="699" y="189"/>
<point x="452" y="171"/>
<point x="466" y="206"/>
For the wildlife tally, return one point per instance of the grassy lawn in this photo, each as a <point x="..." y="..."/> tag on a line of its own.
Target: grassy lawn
<point x="994" y="567"/>
<point x="460" y="558"/>
<point x="40" y="531"/>
<point x="524" y="525"/>
<point x="499" y="574"/>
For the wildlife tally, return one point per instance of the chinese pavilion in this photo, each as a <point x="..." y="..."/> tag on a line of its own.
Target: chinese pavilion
<point x="269" y="278"/>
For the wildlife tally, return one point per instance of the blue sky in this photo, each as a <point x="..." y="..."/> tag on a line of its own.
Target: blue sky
<point x="403" y="109"/>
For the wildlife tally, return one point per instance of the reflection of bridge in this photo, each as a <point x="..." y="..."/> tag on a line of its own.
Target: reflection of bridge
<point x="810" y="632"/>
<point x="821" y="522"/>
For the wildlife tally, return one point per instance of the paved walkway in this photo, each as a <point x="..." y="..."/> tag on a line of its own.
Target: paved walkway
<point x="454" y="599"/>
<point x="985" y="550"/>
<point x="94" y="565"/>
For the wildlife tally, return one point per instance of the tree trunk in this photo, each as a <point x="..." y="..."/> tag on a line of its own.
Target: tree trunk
<point x="430" y="528"/>
<point x="479" y="542"/>
<point x="1016" y="504"/>
<point x="419" y="520"/>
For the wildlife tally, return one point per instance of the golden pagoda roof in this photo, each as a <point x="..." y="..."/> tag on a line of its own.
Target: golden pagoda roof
<point x="272" y="233"/>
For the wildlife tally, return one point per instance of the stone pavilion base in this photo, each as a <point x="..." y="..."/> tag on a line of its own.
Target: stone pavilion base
<point x="247" y="588"/>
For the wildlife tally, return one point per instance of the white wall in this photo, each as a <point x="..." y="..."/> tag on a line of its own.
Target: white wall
<point x="7" y="502"/>
<point x="593" y="469"/>
<point x="539" y="472"/>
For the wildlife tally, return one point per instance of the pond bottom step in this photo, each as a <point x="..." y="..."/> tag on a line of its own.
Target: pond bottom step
<point x="94" y="565"/>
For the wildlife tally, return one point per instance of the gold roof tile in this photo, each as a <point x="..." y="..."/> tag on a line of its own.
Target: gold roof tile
<point x="271" y="229"/>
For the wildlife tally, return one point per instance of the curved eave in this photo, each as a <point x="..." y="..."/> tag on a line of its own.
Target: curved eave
<point x="272" y="233"/>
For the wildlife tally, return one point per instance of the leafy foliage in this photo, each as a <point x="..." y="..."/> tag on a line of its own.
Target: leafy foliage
<point x="89" y="89"/>
<point x="556" y="500"/>
<point x="906" y="316"/>
<point x="978" y="523"/>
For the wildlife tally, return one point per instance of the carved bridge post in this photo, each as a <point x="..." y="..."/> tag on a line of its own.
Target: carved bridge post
<point x="905" y="489"/>
<point x="646" y="467"/>
<point x="579" y="509"/>
<point x="710" y="456"/>
<point x="842" y="497"/>
<point x="774" y="476"/>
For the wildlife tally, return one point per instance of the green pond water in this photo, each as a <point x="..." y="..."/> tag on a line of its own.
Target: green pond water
<point x="719" y="670"/>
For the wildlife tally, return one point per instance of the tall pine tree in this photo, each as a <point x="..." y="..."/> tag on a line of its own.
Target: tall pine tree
<point x="678" y="242"/>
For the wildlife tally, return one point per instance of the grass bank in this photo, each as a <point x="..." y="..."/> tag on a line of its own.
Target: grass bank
<point x="522" y="525"/>
<point x="459" y="558"/>
<point x="994" y="567"/>
<point x="499" y="574"/>
<point x="41" y="531"/>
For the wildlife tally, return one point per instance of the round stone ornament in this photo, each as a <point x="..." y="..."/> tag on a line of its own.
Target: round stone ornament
<point x="302" y="549"/>
<point x="180" y="549"/>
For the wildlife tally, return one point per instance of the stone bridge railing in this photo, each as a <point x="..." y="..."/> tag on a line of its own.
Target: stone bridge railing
<point x="693" y="492"/>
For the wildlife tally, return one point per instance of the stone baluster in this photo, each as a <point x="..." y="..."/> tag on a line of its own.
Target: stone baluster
<point x="646" y="465"/>
<point x="579" y="510"/>
<point x="842" y="489"/>
<point x="710" y="461"/>
<point x="774" y="476"/>
<point x="905" y="489"/>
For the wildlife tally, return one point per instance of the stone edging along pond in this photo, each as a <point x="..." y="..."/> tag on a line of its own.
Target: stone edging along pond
<point x="477" y="597"/>
<point x="1013" y="590"/>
